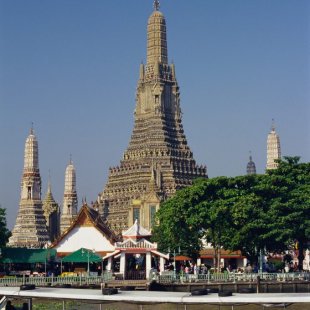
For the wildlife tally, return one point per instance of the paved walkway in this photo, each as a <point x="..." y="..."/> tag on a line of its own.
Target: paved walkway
<point x="149" y="297"/>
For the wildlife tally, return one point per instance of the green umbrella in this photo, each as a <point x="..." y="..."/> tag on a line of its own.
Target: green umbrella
<point x="82" y="256"/>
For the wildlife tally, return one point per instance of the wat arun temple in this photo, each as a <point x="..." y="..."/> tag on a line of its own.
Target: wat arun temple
<point x="156" y="163"/>
<point x="158" y="160"/>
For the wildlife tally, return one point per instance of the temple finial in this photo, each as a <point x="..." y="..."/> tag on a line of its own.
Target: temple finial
<point x="49" y="186"/>
<point x="156" y="5"/>
<point x="70" y="161"/>
<point x="250" y="155"/>
<point x="273" y="127"/>
<point x="31" y="129"/>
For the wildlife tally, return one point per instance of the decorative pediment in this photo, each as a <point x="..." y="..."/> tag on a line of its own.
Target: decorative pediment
<point x="151" y="196"/>
<point x="84" y="221"/>
<point x="132" y="244"/>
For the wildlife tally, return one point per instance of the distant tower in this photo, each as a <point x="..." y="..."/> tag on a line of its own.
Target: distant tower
<point x="30" y="227"/>
<point x="273" y="148"/>
<point x="51" y="213"/>
<point x="70" y="202"/>
<point x="250" y="168"/>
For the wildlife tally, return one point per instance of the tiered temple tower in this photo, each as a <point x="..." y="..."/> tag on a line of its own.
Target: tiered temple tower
<point x="70" y="201"/>
<point x="273" y="148"/>
<point x="250" y="168"/>
<point x="52" y="214"/>
<point x="30" y="227"/>
<point x="158" y="148"/>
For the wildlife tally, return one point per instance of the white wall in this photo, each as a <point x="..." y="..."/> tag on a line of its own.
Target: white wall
<point x="84" y="237"/>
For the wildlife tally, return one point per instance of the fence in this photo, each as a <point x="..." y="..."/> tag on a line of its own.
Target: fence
<point x="54" y="281"/>
<point x="165" y="278"/>
<point x="170" y="277"/>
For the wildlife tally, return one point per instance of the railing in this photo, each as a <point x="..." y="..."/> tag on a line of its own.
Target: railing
<point x="170" y="277"/>
<point x="135" y="275"/>
<point x="54" y="281"/>
<point x="165" y="278"/>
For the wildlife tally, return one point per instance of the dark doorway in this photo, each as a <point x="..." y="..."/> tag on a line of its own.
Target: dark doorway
<point x="135" y="267"/>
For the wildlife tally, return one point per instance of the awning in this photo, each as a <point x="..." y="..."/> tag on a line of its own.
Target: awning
<point x="111" y="254"/>
<point x="166" y="256"/>
<point x="26" y="256"/>
<point x="82" y="256"/>
<point x="182" y="258"/>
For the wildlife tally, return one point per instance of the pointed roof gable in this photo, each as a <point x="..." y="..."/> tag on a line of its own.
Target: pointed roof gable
<point x="136" y="231"/>
<point x="88" y="217"/>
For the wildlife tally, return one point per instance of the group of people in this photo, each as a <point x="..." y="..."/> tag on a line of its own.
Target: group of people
<point x="254" y="269"/>
<point x="267" y="267"/>
<point x="192" y="268"/>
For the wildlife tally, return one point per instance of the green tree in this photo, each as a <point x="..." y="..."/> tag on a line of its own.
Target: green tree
<point x="4" y="232"/>
<point x="246" y="213"/>
<point x="179" y="221"/>
<point x="247" y="217"/>
<point x="213" y="213"/>
<point x="289" y="211"/>
<point x="194" y="214"/>
<point x="250" y="218"/>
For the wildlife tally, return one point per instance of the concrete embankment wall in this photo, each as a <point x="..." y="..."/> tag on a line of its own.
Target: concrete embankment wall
<point x="262" y="287"/>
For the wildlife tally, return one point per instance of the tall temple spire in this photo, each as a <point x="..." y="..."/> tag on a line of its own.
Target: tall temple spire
<point x="70" y="201"/>
<point x="157" y="140"/>
<point x="30" y="227"/>
<point x="250" y="168"/>
<point x="273" y="148"/>
<point x="51" y="212"/>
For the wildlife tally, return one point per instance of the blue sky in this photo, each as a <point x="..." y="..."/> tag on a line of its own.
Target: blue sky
<point x="72" y="66"/>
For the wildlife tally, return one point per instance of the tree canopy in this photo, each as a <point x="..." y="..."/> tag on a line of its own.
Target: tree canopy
<point x="289" y="210"/>
<point x="247" y="213"/>
<point x="4" y="232"/>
